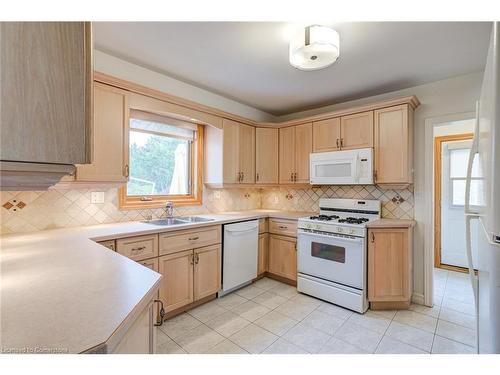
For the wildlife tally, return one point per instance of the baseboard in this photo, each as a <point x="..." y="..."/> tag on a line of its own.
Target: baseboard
<point x="418" y="298"/>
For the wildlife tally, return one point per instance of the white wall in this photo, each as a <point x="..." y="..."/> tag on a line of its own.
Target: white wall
<point x="441" y="98"/>
<point x="116" y="67"/>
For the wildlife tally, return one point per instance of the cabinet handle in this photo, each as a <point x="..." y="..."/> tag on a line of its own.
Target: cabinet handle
<point x="191" y="259"/>
<point x="138" y="248"/>
<point x="372" y="237"/>
<point x="282" y="227"/>
<point x="341" y="142"/>
<point x="194" y="238"/>
<point x="295" y="177"/>
<point x="257" y="177"/>
<point x="375" y="175"/>
<point x="126" y="170"/>
<point x="196" y="258"/>
<point x="338" y="143"/>
<point x="161" y="312"/>
<point x="242" y="176"/>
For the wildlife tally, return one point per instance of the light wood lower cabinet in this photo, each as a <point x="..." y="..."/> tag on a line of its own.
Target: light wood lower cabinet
<point x="207" y="271"/>
<point x="389" y="267"/>
<point x="282" y="256"/>
<point x="263" y="253"/>
<point x="189" y="276"/>
<point x="176" y="289"/>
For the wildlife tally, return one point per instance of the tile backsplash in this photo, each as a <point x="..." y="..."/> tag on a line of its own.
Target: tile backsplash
<point x="30" y="211"/>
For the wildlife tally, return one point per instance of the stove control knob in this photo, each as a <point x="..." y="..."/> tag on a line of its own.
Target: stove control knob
<point x="318" y="227"/>
<point x="352" y="231"/>
<point x="308" y="226"/>
<point x="339" y="229"/>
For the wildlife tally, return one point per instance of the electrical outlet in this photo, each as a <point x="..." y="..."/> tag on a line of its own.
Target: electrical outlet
<point x="217" y="194"/>
<point x="97" y="197"/>
<point x="275" y="199"/>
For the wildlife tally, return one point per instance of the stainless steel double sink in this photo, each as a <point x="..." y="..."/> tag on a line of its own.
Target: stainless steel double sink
<point x="178" y="220"/>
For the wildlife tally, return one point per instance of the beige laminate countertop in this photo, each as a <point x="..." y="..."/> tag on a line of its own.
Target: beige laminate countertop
<point x="62" y="291"/>
<point x="391" y="223"/>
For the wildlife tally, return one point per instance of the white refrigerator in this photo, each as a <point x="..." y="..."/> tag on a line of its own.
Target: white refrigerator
<point x="483" y="203"/>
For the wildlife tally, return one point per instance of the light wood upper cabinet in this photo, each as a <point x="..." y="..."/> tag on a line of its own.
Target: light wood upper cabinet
<point x="176" y="289"/>
<point x="46" y="92"/>
<point x="389" y="264"/>
<point x="282" y="256"/>
<point x="303" y="147"/>
<point x="247" y="153"/>
<point x="326" y="135"/>
<point x="110" y="151"/>
<point x="207" y="271"/>
<point x="238" y="156"/>
<point x="266" y="155"/>
<point x="294" y="148"/>
<point x="231" y="152"/>
<point x="394" y="145"/>
<point x="286" y="155"/>
<point x="356" y="131"/>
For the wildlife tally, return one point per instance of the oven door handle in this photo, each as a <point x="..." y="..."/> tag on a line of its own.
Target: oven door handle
<point x="346" y="239"/>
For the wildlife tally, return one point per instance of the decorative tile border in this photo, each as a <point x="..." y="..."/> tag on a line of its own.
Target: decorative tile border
<point x="30" y="211"/>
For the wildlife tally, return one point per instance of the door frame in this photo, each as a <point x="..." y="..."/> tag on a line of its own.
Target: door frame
<point x="424" y="204"/>
<point x="438" y="142"/>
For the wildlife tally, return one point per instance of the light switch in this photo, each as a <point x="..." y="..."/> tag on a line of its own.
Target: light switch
<point x="97" y="197"/>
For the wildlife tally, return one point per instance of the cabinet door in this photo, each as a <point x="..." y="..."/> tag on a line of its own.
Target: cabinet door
<point x="282" y="258"/>
<point x="287" y="154"/>
<point x="389" y="265"/>
<point x="263" y="253"/>
<point x="393" y="146"/>
<point x="247" y="153"/>
<point x="207" y="271"/>
<point x="46" y="92"/>
<point x="176" y="289"/>
<point x="357" y="131"/>
<point x="231" y="152"/>
<point x="266" y="155"/>
<point x="303" y="147"/>
<point x="326" y="135"/>
<point x="110" y="124"/>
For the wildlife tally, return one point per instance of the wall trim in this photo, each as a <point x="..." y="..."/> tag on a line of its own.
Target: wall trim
<point x="418" y="298"/>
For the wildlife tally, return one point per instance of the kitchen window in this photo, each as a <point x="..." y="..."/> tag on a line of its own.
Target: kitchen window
<point x="164" y="162"/>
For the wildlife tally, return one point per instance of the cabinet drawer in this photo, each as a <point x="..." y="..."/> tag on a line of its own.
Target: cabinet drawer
<point x="283" y="227"/>
<point x="263" y="225"/>
<point x="110" y="244"/>
<point x="138" y="248"/>
<point x="150" y="263"/>
<point x="189" y="239"/>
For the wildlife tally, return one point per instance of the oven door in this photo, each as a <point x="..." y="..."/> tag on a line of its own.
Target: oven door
<point x="334" y="258"/>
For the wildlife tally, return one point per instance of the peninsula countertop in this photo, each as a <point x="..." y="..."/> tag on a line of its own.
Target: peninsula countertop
<point x="61" y="291"/>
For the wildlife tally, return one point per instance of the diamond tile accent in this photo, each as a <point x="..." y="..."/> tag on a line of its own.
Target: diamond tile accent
<point x="29" y="211"/>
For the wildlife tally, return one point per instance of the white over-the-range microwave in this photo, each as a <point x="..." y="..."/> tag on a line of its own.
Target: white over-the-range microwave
<point x="352" y="167"/>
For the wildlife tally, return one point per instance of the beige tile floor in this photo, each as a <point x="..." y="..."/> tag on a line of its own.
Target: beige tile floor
<point x="271" y="317"/>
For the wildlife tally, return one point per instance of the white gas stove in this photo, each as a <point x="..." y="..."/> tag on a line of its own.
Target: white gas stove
<point x="331" y="251"/>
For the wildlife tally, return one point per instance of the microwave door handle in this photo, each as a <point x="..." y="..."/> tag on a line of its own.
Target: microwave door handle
<point x="355" y="168"/>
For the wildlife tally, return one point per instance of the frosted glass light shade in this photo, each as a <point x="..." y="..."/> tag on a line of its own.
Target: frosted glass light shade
<point x="315" y="47"/>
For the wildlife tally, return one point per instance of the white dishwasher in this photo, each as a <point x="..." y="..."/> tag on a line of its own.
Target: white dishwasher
<point x="240" y="251"/>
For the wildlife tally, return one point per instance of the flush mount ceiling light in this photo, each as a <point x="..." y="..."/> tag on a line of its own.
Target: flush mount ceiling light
<point x="315" y="47"/>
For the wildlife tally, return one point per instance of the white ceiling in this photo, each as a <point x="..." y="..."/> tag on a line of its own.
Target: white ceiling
<point x="248" y="61"/>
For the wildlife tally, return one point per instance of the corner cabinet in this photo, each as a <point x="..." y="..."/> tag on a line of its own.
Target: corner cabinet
<point x="295" y="145"/>
<point x="393" y="146"/>
<point x="389" y="267"/>
<point x="266" y="155"/>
